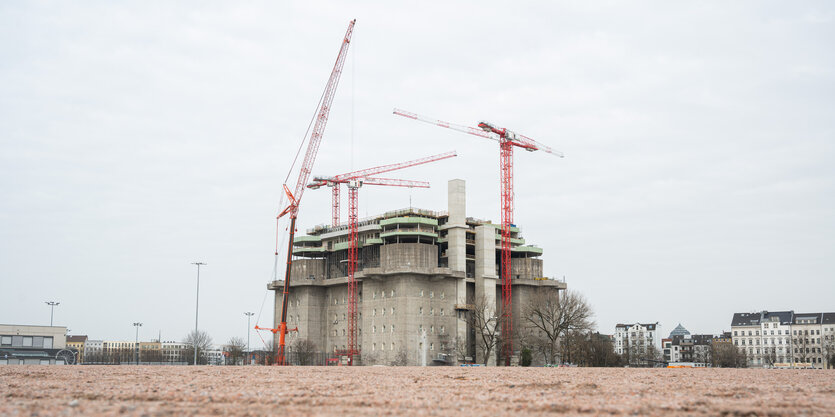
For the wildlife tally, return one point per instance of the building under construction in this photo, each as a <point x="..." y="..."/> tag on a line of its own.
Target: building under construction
<point x="418" y="274"/>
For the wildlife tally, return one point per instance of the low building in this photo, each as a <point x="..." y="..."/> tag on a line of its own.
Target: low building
<point x="77" y="343"/>
<point x="174" y="352"/>
<point x="34" y="345"/>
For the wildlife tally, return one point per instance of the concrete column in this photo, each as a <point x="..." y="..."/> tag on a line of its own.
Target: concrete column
<point x="457" y="225"/>
<point x="457" y="246"/>
<point x="485" y="275"/>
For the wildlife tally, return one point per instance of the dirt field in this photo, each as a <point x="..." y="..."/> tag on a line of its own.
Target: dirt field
<point x="171" y="390"/>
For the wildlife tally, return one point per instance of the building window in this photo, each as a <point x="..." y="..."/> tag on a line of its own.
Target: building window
<point x="442" y="295"/>
<point x="374" y="313"/>
<point x="420" y="310"/>
<point x="442" y="329"/>
<point x="27" y="341"/>
<point x="431" y="294"/>
<point x="432" y="346"/>
<point x="392" y="311"/>
<point x="392" y="328"/>
<point x="421" y="293"/>
<point x="442" y="312"/>
<point x="374" y="329"/>
<point x="392" y="293"/>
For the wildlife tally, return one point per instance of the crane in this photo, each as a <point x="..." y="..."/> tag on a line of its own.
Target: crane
<point x="355" y="180"/>
<point x="336" y="181"/>
<point x="507" y="140"/>
<point x="294" y="198"/>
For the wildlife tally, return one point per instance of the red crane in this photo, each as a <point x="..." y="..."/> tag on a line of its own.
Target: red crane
<point x="507" y="140"/>
<point x="295" y="197"/>
<point x="355" y="180"/>
<point x="336" y="181"/>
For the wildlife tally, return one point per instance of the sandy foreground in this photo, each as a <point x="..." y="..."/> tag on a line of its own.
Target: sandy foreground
<point x="290" y="391"/>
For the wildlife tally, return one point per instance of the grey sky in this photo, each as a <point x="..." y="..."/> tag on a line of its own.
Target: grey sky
<point x="137" y="137"/>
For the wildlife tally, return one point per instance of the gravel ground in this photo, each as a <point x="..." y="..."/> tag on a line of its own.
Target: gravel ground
<point x="170" y="390"/>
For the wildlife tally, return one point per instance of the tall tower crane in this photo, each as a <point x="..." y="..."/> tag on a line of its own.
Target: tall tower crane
<point x="507" y="140"/>
<point x="354" y="180"/>
<point x="295" y="197"/>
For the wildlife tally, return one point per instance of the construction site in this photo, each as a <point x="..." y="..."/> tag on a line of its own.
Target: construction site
<point x="419" y="273"/>
<point x="407" y="287"/>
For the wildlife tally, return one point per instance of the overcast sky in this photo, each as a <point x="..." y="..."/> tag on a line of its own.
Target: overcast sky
<point x="137" y="137"/>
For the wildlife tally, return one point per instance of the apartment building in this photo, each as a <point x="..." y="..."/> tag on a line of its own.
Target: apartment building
<point x="785" y="339"/>
<point x="640" y="343"/>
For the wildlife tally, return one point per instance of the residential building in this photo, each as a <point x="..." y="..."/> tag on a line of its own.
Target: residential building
<point x="418" y="275"/>
<point x="639" y="343"/>
<point x="784" y="338"/>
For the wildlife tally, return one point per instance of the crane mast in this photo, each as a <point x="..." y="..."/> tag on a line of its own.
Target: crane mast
<point x="304" y="173"/>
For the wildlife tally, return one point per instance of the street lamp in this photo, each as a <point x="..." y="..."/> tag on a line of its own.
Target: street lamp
<point x="196" y="308"/>
<point x="137" y="325"/>
<point x="248" y="317"/>
<point x="51" y="305"/>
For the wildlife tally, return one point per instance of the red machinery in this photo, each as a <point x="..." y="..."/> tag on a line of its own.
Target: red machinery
<point x="507" y="140"/>
<point x="355" y="180"/>
<point x="295" y="197"/>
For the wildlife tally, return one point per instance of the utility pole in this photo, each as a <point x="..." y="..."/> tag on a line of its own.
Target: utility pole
<point x="248" y="318"/>
<point x="137" y="325"/>
<point x="196" y="308"/>
<point x="51" y="305"/>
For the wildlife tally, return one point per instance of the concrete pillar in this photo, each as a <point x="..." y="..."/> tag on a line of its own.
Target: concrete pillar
<point x="457" y="246"/>
<point x="457" y="225"/>
<point x="485" y="275"/>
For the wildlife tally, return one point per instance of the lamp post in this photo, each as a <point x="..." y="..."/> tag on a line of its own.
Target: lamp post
<point x="137" y="325"/>
<point x="196" y="308"/>
<point x="248" y="317"/>
<point x="51" y="305"/>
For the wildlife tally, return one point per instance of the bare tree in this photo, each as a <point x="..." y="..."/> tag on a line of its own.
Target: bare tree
<point x="724" y="355"/>
<point x="829" y="350"/>
<point x="801" y="347"/>
<point x="703" y="353"/>
<point x="769" y="356"/>
<point x="554" y="315"/>
<point x="235" y="349"/>
<point x="203" y="342"/>
<point x="460" y="350"/>
<point x="304" y="350"/>
<point x="487" y="324"/>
